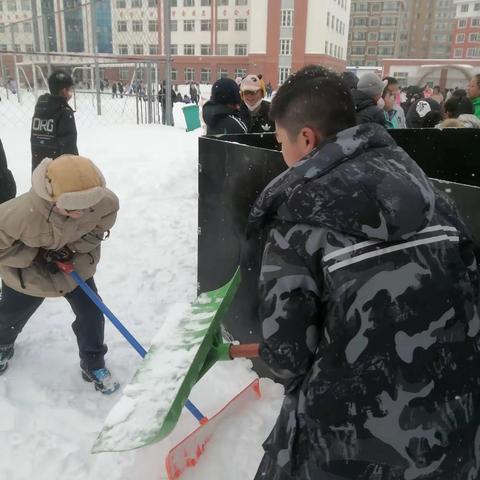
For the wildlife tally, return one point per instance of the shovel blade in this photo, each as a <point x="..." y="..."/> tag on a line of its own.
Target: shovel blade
<point x="186" y="454"/>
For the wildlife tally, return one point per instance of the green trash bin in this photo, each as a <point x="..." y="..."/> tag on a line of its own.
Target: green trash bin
<point x="192" y="117"/>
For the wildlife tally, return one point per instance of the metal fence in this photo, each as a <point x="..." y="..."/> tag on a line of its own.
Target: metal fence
<point x="113" y="54"/>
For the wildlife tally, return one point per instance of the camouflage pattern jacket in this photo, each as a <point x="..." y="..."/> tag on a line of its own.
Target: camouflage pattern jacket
<point x="369" y="302"/>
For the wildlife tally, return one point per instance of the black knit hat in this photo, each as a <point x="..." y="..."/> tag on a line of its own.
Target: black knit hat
<point x="59" y="80"/>
<point x="225" y="91"/>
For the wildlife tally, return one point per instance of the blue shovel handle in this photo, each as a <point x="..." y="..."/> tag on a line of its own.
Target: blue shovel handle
<point x="68" y="268"/>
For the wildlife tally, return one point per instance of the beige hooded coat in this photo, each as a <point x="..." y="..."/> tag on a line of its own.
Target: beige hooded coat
<point x="28" y="222"/>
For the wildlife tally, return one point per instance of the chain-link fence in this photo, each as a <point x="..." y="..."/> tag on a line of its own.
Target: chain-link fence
<point x="111" y="51"/>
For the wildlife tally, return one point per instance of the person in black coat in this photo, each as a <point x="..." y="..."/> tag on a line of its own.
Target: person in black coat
<point x="221" y="113"/>
<point x="254" y="110"/>
<point x="368" y="92"/>
<point x="54" y="132"/>
<point x="8" y="188"/>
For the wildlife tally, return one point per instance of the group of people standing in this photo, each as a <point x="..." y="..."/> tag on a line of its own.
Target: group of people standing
<point x="238" y="108"/>
<point x="382" y="102"/>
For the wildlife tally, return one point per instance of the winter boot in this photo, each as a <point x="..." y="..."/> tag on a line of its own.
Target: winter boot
<point x="6" y="353"/>
<point x="101" y="378"/>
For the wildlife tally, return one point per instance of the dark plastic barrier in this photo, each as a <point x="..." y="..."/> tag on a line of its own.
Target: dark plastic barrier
<point x="234" y="169"/>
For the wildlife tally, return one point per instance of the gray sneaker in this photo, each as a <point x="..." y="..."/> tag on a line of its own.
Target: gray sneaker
<point x="6" y="353"/>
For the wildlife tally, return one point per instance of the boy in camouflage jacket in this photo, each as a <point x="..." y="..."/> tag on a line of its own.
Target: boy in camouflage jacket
<point x="369" y="302"/>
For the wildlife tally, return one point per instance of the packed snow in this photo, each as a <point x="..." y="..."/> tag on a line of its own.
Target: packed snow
<point x="50" y="417"/>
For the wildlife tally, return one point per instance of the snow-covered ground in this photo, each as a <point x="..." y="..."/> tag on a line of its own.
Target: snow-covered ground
<point x="49" y="417"/>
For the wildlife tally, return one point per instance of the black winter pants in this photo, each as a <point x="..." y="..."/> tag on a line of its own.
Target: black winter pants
<point x="16" y="309"/>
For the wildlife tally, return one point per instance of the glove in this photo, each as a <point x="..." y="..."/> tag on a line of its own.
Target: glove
<point x="47" y="258"/>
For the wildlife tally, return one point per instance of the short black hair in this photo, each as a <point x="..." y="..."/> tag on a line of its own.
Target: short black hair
<point x="458" y="105"/>
<point x="59" y="80"/>
<point x="313" y="97"/>
<point x="391" y="81"/>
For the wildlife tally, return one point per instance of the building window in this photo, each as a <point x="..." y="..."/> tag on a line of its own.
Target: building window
<point x="137" y="26"/>
<point x="285" y="46"/>
<point x="29" y="48"/>
<point x="153" y="50"/>
<point x="222" y="3"/>
<point x="222" y="49"/>
<point x="464" y="7"/>
<point x="240" y="24"/>
<point x="152" y="26"/>
<point x="240" y="72"/>
<point x="240" y="3"/>
<point x="374" y="22"/>
<point x="27" y="27"/>
<point x="205" y="25"/>
<point x="11" y="5"/>
<point x="326" y="47"/>
<point x="240" y="50"/>
<point x="371" y="50"/>
<point x="3" y="47"/>
<point x="460" y="38"/>
<point x="283" y="74"/>
<point x="2" y="28"/>
<point x="357" y="36"/>
<point x="188" y="3"/>
<point x="189" y="49"/>
<point x="173" y="3"/>
<point x="458" y="53"/>
<point x="137" y="49"/>
<point x="121" y="26"/>
<point x="173" y="49"/>
<point x="475" y="22"/>
<point x="385" y="50"/>
<point x="189" y="25"/>
<point x="477" y="7"/>
<point x="124" y="74"/>
<point x="222" y="25"/>
<point x="287" y="18"/>
<point x="174" y="75"/>
<point x="136" y="3"/>
<point x="387" y="36"/>
<point x="25" y="4"/>
<point x="189" y="74"/>
<point x="123" y="49"/>
<point x="473" y="53"/>
<point x="206" y="3"/>
<point x="372" y="36"/>
<point x="205" y="49"/>
<point x="328" y="19"/>
<point x="462" y="23"/>
<point x="173" y="25"/>
<point x="474" y="37"/>
<point x="222" y="73"/>
<point x="205" y="75"/>
<point x="152" y="4"/>
<point x="121" y="4"/>
<point x="361" y="21"/>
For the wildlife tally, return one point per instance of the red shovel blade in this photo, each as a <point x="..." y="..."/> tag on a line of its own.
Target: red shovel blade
<point x="188" y="451"/>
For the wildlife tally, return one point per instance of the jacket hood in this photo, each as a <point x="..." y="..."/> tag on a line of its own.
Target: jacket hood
<point x="362" y="100"/>
<point x="48" y="101"/>
<point x="214" y="112"/>
<point x="358" y="182"/>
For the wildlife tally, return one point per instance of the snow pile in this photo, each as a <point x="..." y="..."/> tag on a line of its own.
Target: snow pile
<point x="50" y="417"/>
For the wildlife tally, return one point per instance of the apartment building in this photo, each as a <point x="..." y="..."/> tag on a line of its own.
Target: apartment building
<point x="429" y="29"/>
<point x="209" y="38"/>
<point x="375" y="29"/>
<point x="466" y="31"/>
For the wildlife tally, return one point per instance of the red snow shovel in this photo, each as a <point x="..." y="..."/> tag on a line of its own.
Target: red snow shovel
<point x="187" y="453"/>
